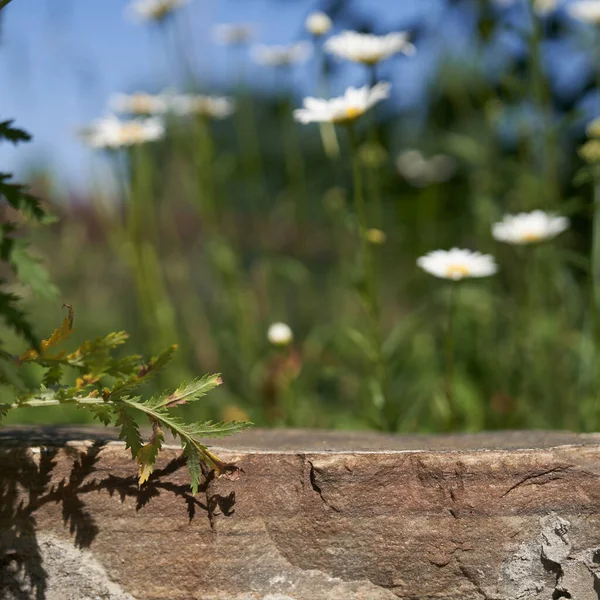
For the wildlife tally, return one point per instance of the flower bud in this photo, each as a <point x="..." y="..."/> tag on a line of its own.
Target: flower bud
<point x="318" y="23"/>
<point x="280" y="334"/>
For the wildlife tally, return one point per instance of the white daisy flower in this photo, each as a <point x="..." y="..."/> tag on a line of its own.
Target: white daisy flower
<point x="585" y="10"/>
<point x="154" y="10"/>
<point x="281" y="56"/>
<point x="233" y="34"/>
<point x="527" y="228"/>
<point x="139" y="103"/>
<point x="420" y="171"/>
<point x="368" y="48"/>
<point x="457" y="264"/>
<point x="318" y="23"/>
<point x="214" y="107"/>
<point x="280" y="334"/>
<point x="112" y="133"/>
<point x="354" y="103"/>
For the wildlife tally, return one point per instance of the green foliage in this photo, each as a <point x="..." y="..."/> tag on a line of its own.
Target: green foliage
<point x="109" y="387"/>
<point x="15" y="253"/>
<point x="228" y="226"/>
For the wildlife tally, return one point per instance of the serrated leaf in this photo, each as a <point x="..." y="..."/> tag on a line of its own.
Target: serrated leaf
<point x="193" y="466"/>
<point x="145" y="372"/>
<point x="129" y="431"/>
<point x="53" y="375"/>
<point x="20" y="199"/>
<point x="8" y="243"/>
<point x="15" y="317"/>
<point x="7" y="131"/>
<point x="4" y="408"/>
<point x="32" y="272"/>
<point x="58" y="335"/>
<point x="96" y="350"/>
<point x="161" y="360"/>
<point x="127" y="365"/>
<point x="102" y="412"/>
<point x="190" y="434"/>
<point x="147" y="454"/>
<point x="194" y="390"/>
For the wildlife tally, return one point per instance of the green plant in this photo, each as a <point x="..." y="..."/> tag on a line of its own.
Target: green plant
<point x="14" y="252"/>
<point x="104" y="384"/>
<point x="109" y="387"/>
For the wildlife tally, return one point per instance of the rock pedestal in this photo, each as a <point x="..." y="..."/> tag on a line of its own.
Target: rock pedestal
<point x="309" y="515"/>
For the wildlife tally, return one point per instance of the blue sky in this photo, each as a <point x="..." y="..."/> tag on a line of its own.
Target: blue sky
<point x="61" y="59"/>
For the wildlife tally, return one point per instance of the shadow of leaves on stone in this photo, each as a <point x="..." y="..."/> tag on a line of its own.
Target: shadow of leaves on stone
<point x="25" y="487"/>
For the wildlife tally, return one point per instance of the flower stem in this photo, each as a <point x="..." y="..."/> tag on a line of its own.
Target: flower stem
<point x="369" y="289"/>
<point x="596" y="253"/>
<point x="542" y="103"/>
<point x="327" y="130"/>
<point x="155" y="304"/>
<point x="449" y="351"/>
<point x="359" y="201"/>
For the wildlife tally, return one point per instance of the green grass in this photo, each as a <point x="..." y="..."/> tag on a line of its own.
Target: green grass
<point x="221" y="235"/>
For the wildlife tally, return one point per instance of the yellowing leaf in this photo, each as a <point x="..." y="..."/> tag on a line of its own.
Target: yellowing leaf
<point x="58" y="335"/>
<point x="147" y="454"/>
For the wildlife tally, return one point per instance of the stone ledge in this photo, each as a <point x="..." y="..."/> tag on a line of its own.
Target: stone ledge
<point x="310" y="515"/>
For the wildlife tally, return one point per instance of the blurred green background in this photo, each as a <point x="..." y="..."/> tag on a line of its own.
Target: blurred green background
<point x="209" y="235"/>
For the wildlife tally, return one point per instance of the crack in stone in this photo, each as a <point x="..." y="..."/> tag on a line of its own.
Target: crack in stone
<point x="533" y="476"/>
<point x="316" y="488"/>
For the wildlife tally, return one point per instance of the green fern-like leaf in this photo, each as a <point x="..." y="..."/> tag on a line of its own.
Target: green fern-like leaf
<point x="15" y="317"/>
<point x="126" y="385"/>
<point x="32" y="272"/>
<point x="129" y="431"/>
<point x="4" y="408"/>
<point x="147" y="454"/>
<point x="53" y="375"/>
<point x="10" y="133"/>
<point x="19" y="198"/>
<point x="193" y="465"/>
<point x="102" y="412"/>
<point x="194" y="390"/>
<point x="123" y="367"/>
<point x="191" y="435"/>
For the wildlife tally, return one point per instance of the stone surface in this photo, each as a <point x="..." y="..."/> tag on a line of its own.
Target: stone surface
<point x="309" y="515"/>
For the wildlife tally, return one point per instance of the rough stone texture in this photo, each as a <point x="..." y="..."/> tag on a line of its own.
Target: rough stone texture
<point x="309" y="515"/>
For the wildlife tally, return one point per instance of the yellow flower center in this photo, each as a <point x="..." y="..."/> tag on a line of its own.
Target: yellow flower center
<point x="131" y="133"/>
<point x="456" y="271"/>
<point x="141" y="105"/>
<point x="531" y="237"/>
<point x="353" y="112"/>
<point x="370" y="60"/>
<point x="161" y="10"/>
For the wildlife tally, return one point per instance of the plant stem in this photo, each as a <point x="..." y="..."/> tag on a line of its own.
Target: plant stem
<point x="251" y="160"/>
<point x="294" y="159"/>
<point x="224" y="259"/>
<point x="359" y="201"/>
<point x="595" y="284"/>
<point x="542" y="103"/>
<point x="156" y="308"/>
<point x="367" y="271"/>
<point x="34" y="402"/>
<point x="373" y="75"/>
<point x="327" y="130"/>
<point x="449" y="351"/>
